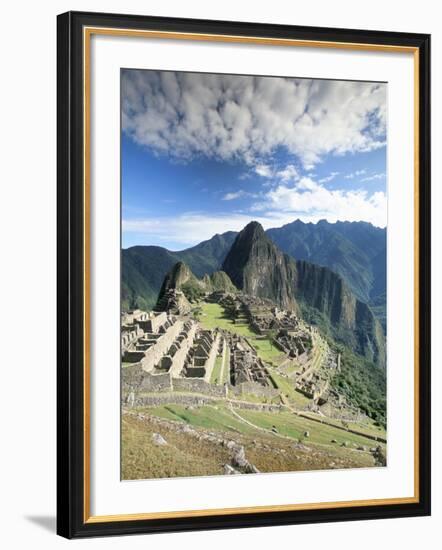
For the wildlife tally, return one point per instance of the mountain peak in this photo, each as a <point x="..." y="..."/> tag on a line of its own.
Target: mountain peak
<point x="257" y="267"/>
<point x="253" y="229"/>
<point x="179" y="274"/>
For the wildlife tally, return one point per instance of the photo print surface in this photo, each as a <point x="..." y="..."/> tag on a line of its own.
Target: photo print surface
<point x="253" y="274"/>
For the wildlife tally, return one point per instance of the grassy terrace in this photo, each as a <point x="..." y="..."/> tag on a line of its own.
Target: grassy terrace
<point x="367" y="427"/>
<point x="220" y="418"/>
<point x="215" y="377"/>
<point x="290" y="425"/>
<point x="211" y="418"/>
<point x="185" y="455"/>
<point x="287" y="388"/>
<point x="213" y="316"/>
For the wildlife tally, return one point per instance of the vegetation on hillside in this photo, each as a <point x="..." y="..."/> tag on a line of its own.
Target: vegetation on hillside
<point x="363" y="384"/>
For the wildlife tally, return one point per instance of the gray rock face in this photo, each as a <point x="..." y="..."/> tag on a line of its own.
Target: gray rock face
<point x="158" y="439"/>
<point x="257" y="267"/>
<point x="239" y="457"/>
<point x="229" y="470"/>
<point x="240" y="461"/>
<point x="379" y="456"/>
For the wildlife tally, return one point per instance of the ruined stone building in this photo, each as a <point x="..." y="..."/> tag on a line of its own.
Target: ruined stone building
<point x="201" y="357"/>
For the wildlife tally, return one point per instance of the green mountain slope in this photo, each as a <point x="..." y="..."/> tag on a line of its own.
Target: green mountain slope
<point x="144" y="267"/>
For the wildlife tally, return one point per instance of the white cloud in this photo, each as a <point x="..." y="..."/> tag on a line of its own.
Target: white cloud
<point x="289" y="173"/>
<point x="235" y="195"/>
<point x="191" y="228"/>
<point x="328" y="178"/>
<point x="263" y="170"/>
<point x="380" y="176"/>
<point x="244" y="176"/>
<point x="244" y="117"/>
<point x="311" y="201"/>
<point x="268" y="171"/>
<point x="355" y="174"/>
<point x="306" y="200"/>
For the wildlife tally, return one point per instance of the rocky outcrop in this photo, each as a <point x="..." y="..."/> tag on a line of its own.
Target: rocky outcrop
<point x="173" y="301"/>
<point x="258" y="267"/>
<point x="171" y="297"/>
<point x="219" y="281"/>
<point x="181" y="286"/>
<point x="351" y="320"/>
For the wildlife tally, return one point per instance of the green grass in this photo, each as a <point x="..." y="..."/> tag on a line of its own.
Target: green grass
<point x="182" y="456"/>
<point x="252" y="398"/>
<point x="204" y="417"/>
<point x="368" y="427"/>
<point x="288" y="424"/>
<point x="226" y="371"/>
<point x="213" y="316"/>
<point x="318" y="353"/>
<point x="215" y="377"/>
<point x="287" y="388"/>
<point x="294" y="426"/>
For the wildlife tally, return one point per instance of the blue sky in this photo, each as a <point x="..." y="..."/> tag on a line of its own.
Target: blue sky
<point x="204" y="154"/>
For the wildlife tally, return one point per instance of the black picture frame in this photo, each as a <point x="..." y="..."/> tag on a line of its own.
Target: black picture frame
<point x="71" y="394"/>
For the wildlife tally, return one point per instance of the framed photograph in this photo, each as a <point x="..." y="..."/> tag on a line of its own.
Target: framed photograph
<point x="243" y="274"/>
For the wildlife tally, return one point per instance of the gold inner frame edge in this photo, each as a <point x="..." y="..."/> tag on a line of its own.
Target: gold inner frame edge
<point x="106" y="31"/>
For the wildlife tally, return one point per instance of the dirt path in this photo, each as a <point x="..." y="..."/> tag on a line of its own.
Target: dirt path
<point x="265" y="430"/>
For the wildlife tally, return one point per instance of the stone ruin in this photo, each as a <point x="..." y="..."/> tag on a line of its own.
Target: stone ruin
<point x="219" y="296"/>
<point x="173" y="360"/>
<point x="314" y="382"/>
<point x="245" y="365"/>
<point x="134" y="325"/>
<point x="173" y="301"/>
<point x="170" y="352"/>
<point x="201" y="356"/>
<point x="260" y="313"/>
<point x="297" y="344"/>
<point x="290" y="334"/>
<point x="158" y="347"/>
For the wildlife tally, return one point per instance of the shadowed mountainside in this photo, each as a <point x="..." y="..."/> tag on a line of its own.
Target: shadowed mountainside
<point x="354" y="250"/>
